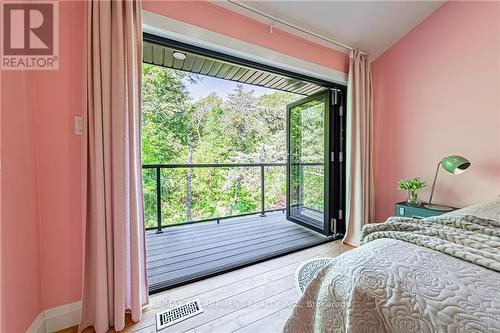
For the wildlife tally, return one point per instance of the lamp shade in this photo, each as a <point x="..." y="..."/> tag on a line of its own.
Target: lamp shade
<point x="455" y="164"/>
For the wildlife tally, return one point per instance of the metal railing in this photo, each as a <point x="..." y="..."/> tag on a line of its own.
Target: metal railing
<point x="262" y="166"/>
<point x="158" y="167"/>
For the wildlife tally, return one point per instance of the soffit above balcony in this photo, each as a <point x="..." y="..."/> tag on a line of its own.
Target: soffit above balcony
<point x="204" y="65"/>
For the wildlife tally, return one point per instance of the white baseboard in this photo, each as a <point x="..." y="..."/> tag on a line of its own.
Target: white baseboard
<point x="38" y="325"/>
<point x="58" y="318"/>
<point x="63" y="316"/>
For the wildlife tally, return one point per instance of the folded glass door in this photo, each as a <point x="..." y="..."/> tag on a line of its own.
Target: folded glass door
<point x="311" y="147"/>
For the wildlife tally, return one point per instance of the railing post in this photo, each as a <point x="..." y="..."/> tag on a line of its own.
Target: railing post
<point x="262" y="195"/>
<point x="158" y="201"/>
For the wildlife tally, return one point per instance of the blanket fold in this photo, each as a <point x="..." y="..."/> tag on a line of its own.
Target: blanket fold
<point x="466" y="237"/>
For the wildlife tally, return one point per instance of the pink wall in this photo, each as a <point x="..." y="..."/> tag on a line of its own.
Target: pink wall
<point x="58" y="101"/>
<point x="436" y="93"/>
<point x="41" y="235"/>
<point x="20" y="232"/>
<point x="41" y="225"/>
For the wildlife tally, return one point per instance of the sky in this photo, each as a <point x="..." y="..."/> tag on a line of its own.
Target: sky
<point x="222" y="87"/>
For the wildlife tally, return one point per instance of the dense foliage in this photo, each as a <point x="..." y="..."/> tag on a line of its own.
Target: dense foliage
<point x="242" y="128"/>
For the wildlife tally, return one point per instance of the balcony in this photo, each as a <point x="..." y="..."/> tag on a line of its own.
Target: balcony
<point x="181" y="252"/>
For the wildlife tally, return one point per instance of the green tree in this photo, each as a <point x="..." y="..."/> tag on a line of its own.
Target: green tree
<point x="242" y="128"/>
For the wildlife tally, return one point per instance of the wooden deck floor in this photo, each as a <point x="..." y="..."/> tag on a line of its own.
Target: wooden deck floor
<point x="188" y="253"/>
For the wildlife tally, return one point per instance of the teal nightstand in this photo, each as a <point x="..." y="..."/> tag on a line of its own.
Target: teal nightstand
<point x="417" y="212"/>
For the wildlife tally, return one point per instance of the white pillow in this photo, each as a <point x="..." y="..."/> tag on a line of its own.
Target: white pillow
<point x="487" y="210"/>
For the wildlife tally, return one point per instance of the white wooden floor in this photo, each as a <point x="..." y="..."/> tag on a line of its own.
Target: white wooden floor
<point x="254" y="299"/>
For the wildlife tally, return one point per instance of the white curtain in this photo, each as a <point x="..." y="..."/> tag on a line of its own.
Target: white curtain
<point x="359" y="151"/>
<point x="114" y="280"/>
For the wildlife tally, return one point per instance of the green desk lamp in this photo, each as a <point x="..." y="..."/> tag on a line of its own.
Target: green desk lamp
<point x="453" y="164"/>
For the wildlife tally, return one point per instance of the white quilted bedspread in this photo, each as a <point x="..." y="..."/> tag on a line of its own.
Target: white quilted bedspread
<point x="388" y="285"/>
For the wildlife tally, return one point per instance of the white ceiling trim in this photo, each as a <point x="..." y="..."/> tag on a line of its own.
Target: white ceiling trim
<point x="228" y="5"/>
<point x="190" y="34"/>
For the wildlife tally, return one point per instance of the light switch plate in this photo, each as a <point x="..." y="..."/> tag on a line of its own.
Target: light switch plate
<point x="78" y="125"/>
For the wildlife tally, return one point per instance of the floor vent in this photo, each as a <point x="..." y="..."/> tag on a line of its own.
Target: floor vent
<point x="178" y="314"/>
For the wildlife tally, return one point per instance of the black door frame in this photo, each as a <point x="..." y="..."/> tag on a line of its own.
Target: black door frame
<point x="324" y="95"/>
<point x="338" y="162"/>
<point x="334" y="166"/>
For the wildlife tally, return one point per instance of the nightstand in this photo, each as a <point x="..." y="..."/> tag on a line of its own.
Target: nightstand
<point x="417" y="212"/>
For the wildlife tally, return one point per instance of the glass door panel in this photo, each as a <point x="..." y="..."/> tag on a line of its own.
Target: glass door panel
<point x="308" y="164"/>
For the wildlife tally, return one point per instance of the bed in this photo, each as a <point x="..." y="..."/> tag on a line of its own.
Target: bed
<point x="439" y="274"/>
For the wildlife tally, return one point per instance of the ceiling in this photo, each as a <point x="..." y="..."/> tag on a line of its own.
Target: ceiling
<point x="161" y="55"/>
<point x="373" y="26"/>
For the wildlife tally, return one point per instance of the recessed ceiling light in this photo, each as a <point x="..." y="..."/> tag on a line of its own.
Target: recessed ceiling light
<point x="179" y="55"/>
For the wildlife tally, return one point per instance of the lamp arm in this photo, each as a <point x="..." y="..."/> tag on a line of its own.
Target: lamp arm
<point x="434" y="182"/>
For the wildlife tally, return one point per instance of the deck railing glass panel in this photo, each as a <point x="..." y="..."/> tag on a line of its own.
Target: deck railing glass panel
<point x="264" y="182"/>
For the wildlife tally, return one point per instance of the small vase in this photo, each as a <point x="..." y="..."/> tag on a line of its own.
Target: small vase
<point x="413" y="198"/>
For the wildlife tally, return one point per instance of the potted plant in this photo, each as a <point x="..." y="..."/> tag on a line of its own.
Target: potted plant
<point x="412" y="185"/>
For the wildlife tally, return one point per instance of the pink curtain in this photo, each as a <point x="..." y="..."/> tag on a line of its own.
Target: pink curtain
<point x="359" y="147"/>
<point x="114" y="279"/>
